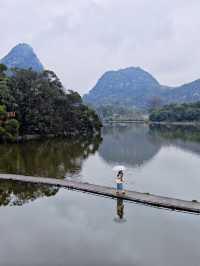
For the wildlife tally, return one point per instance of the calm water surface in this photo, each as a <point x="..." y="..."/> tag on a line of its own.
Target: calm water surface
<point x="46" y="226"/>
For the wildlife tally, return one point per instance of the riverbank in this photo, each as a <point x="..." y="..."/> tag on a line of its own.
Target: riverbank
<point x="154" y="122"/>
<point x="175" y="123"/>
<point x="124" y="121"/>
<point x="30" y="137"/>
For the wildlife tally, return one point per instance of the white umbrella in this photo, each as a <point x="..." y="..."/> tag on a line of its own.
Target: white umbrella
<point x="119" y="168"/>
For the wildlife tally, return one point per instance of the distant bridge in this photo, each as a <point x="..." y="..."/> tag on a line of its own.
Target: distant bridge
<point x="137" y="197"/>
<point x="139" y="121"/>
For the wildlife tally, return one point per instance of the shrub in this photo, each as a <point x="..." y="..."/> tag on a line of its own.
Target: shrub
<point x="12" y="127"/>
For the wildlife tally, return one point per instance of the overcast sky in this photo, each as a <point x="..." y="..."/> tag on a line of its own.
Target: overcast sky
<point x="81" y="39"/>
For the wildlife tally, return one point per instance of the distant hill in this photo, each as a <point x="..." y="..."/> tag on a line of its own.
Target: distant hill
<point x="131" y="86"/>
<point x="134" y="87"/>
<point x="22" y="56"/>
<point x="186" y="93"/>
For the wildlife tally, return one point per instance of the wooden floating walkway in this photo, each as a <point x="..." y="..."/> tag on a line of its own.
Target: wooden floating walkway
<point x="144" y="198"/>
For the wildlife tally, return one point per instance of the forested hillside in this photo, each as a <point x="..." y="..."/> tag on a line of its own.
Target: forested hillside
<point x="36" y="103"/>
<point x="187" y="112"/>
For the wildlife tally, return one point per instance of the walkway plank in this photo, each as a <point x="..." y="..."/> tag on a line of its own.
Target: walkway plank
<point x="149" y="199"/>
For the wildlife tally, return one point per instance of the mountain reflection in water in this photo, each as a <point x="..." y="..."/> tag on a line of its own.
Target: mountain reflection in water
<point x="129" y="144"/>
<point x="136" y="144"/>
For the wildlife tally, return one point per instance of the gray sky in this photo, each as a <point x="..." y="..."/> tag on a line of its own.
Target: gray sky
<point x="81" y="39"/>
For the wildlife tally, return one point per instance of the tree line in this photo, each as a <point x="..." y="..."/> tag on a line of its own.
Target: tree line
<point x="42" y="106"/>
<point x="186" y="112"/>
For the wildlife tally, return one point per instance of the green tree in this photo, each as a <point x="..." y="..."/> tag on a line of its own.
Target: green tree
<point x="6" y="97"/>
<point x="3" y="68"/>
<point x="45" y="107"/>
<point x="8" y="127"/>
<point x="3" y="113"/>
<point x="12" y="127"/>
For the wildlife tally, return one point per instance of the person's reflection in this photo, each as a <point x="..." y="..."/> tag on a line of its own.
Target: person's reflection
<point x="120" y="211"/>
<point x="120" y="208"/>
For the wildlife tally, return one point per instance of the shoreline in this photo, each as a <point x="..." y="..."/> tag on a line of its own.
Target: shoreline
<point x="29" y="137"/>
<point x="175" y="123"/>
<point x="154" y="122"/>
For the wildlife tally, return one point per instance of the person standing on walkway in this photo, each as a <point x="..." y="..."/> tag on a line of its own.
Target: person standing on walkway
<point x="120" y="181"/>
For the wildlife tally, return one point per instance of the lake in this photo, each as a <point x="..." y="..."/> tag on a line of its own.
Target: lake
<point x="43" y="225"/>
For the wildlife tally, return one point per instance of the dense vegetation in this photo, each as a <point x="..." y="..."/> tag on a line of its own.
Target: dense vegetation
<point x="186" y="112"/>
<point x="42" y="106"/>
<point x="8" y="125"/>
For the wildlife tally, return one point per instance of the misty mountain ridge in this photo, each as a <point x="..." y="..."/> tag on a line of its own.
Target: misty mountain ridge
<point x="135" y="87"/>
<point x="131" y="87"/>
<point x="22" y="56"/>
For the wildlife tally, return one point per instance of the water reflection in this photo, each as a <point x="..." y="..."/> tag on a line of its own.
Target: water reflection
<point x="136" y="144"/>
<point x="49" y="232"/>
<point x="51" y="158"/>
<point x="120" y="211"/>
<point x="77" y="229"/>
<point x="128" y="144"/>
<point x="18" y="193"/>
<point x="185" y="137"/>
<point x="172" y="172"/>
